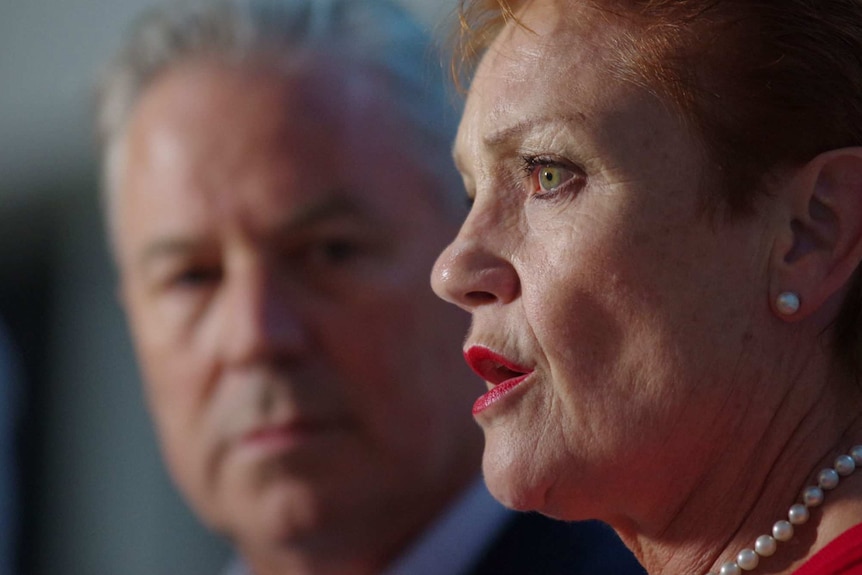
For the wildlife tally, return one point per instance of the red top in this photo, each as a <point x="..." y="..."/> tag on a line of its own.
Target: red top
<point x="843" y="556"/>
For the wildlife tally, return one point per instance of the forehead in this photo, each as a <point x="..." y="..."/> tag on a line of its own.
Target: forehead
<point x="547" y="89"/>
<point x="554" y="48"/>
<point x="200" y="110"/>
<point x="523" y="54"/>
<point x="559" y="65"/>
<point x="209" y="138"/>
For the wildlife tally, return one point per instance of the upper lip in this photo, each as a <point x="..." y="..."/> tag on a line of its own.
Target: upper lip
<point x="493" y="367"/>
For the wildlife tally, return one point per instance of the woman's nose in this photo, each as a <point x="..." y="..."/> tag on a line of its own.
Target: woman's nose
<point x="470" y="275"/>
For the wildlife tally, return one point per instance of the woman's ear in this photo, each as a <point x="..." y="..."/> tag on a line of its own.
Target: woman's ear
<point x="820" y="245"/>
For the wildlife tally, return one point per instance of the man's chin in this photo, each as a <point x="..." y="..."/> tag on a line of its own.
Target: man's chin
<point x="290" y="498"/>
<point x="274" y="503"/>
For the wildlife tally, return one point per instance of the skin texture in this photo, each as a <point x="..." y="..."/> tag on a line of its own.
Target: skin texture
<point x="659" y="367"/>
<point x="274" y="240"/>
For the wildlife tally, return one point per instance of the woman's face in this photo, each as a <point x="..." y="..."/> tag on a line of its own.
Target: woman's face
<point x="615" y="323"/>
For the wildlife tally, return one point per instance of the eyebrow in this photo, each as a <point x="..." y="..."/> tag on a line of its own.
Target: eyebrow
<point x="167" y="247"/>
<point x="333" y="207"/>
<point x="503" y="136"/>
<point x="506" y="134"/>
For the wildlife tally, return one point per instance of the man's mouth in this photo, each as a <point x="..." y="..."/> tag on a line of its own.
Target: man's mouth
<point x="287" y="435"/>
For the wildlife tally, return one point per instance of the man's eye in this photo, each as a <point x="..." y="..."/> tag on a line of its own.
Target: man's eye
<point x="328" y="252"/>
<point x="196" y="277"/>
<point x="338" y="251"/>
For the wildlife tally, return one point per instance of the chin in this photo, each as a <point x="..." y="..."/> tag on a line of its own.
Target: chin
<point x="277" y="518"/>
<point x="511" y="483"/>
<point x="264" y="505"/>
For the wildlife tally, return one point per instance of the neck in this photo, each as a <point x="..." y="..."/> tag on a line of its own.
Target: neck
<point x="761" y="474"/>
<point x="829" y="504"/>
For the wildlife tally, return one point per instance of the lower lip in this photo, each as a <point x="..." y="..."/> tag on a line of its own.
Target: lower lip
<point x="497" y="393"/>
<point x="279" y="440"/>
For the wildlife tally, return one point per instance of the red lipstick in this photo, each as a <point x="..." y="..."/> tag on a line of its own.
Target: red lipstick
<point x="502" y="374"/>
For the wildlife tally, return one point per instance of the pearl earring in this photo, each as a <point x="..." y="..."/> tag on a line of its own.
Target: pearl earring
<point x="787" y="303"/>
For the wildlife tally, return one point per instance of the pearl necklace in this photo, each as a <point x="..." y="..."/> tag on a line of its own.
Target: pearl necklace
<point x="812" y="496"/>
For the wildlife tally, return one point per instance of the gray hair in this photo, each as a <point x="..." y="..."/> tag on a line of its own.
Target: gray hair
<point x="377" y="34"/>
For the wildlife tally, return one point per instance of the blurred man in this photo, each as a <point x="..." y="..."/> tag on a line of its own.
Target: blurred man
<point x="278" y="185"/>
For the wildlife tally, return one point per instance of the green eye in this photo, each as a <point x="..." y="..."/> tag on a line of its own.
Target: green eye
<point x="550" y="178"/>
<point x="546" y="176"/>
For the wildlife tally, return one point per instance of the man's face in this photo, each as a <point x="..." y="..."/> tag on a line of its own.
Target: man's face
<point x="274" y="238"/>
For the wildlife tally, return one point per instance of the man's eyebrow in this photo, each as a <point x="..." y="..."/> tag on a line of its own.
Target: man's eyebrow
<point x="167" y="247"/>
<point x="336" y="206"/>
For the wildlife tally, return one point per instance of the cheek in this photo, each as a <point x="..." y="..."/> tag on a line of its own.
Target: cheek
<point x="170" y="373"/>
<point x="175" y="385"/>
<point x="576" y="307"/>
<point x="188" y="428"/>
<point x="173" y="403"/>
<point x="581" y="335"/>
<point x="596" y="333"/>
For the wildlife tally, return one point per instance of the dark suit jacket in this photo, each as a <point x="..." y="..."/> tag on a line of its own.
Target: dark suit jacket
<point x="532" y="544"/>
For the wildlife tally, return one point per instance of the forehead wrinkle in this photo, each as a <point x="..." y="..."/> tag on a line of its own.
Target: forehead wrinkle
<point x="554" y="34"/>
<point x="527" y="53"/>
<point x="518" y="131"/>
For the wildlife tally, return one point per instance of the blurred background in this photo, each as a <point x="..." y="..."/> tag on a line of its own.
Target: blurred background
<point x="93" y="497"/>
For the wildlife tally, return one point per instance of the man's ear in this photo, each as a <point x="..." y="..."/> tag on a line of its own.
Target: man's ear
<point x="819" y="245"/>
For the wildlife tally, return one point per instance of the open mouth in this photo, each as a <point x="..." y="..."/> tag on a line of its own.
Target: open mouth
<point x="492" y="367"/>
<point x="502" y="374"/>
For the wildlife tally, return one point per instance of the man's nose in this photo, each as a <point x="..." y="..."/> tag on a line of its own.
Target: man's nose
<point x="261" y="318"/>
